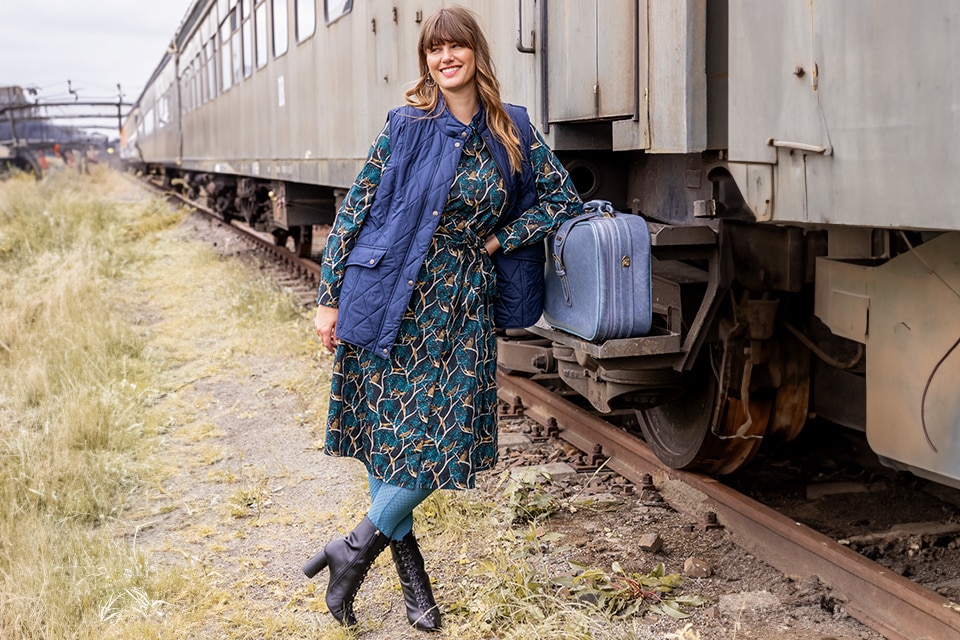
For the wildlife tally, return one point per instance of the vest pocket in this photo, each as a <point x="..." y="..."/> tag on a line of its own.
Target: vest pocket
<point x="364" y="297"/>
<point x="364" y="256"/>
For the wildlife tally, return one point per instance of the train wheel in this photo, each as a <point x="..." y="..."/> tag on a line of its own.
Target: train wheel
<point x="689" y="433"/>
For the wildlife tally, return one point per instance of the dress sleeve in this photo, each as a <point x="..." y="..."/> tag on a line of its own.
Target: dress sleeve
<point x="356" y="205"/>
<point x="558" y="199"/>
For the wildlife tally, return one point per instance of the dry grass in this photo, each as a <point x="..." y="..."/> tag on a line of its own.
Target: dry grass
<point x="88" y="396"/>
<point x="503" y="582"/>
<point x="79" y="390"/>
<point x="73" y="383"/>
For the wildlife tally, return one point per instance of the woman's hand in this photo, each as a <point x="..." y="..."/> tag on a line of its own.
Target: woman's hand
<point x="326" y="326"/>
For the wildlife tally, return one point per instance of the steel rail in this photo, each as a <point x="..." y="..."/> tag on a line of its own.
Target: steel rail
<point x="302" y="266"/>
<point x="887" y="602"/>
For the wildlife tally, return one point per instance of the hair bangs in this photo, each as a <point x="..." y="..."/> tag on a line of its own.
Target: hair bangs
<point x="449" y="26"/>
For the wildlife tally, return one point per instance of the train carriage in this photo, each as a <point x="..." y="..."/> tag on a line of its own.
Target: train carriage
<point x="793" y="160"/>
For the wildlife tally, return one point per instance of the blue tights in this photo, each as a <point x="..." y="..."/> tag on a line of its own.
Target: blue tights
<point x="392" y="507"/>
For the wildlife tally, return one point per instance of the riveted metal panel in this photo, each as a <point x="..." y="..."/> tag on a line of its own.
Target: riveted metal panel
<point x="572" y="54"/>
<point x="616" y="55"/>
<point x="677" y="82"/>
<point x="591" y="55"/>
<point x="855" y="103"/>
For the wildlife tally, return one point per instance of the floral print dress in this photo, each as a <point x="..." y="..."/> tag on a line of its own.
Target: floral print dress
<point x="426" y="417"/>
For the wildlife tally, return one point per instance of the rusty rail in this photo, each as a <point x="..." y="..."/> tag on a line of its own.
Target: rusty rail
<point x="888" y="603"/>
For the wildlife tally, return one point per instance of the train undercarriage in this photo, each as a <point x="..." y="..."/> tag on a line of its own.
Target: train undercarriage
<point x="760" y="327"/>
<point x="288" y="211"/>
<point x="721" y="370"/>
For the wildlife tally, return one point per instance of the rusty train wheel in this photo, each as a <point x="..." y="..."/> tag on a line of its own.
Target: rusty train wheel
<point x="682" y="434"/>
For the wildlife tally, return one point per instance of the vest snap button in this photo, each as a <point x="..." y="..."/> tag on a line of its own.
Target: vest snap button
<point x="456" y="144"/>
<point x="410" y="282"/>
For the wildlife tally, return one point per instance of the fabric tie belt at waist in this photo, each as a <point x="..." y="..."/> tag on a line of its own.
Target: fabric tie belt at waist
<point x="467" y="239"/>
<point x="464" y="237"/>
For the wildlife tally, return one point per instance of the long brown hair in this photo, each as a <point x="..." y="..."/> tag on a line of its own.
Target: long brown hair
<point x="458" y="24"/>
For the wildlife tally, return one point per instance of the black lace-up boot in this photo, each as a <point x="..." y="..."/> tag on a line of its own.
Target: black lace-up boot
<point x="349" y="559"/>
<point x="422" y="611"/>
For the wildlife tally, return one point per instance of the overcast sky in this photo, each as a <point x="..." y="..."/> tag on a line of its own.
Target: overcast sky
<point x="93" y="43"/>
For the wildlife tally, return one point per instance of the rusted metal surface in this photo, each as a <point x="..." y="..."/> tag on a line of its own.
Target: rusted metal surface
<point x="892" y="605"/>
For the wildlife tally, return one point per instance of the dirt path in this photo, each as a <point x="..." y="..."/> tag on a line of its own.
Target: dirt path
<point x="246" y="495"/>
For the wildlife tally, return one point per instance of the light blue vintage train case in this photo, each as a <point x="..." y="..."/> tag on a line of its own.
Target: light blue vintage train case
<point x="597" y="280"/>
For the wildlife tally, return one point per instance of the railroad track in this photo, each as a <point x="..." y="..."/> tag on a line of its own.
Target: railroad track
<point x="887" y="602"/>
<point x="301" y="275"/>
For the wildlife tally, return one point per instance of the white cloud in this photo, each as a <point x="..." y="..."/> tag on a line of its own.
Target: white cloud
<point x="93" y="43"/>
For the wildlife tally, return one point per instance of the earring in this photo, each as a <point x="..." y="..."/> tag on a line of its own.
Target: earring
<point x="429" y="81"/>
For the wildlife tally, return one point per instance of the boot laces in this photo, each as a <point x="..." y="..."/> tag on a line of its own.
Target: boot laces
<point x="418" y="588"/>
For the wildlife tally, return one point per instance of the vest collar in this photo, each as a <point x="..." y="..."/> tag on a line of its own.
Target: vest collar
<point x="453" y="127"/>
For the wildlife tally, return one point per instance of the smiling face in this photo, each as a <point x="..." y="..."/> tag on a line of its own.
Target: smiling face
<point x="452" y="67"/>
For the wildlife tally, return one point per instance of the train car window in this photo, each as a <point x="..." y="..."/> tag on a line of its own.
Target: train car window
<point x="197" y="82"/>
<point x="280" y="38"/>
<point x="207" y="28"/>
<point x="222" y="7"/>
<point x="226" y="77"/>
<point x="186" y="90"/>
<point x="237" y="57"/>
<point x="163" y="112"/>
<point x="333" y="10"/>
<point x="202" y="95"/>
<point x="247" y="47"/>
<point x="306" y="16"/>
<point x="261" y="30"/>
<point x="212" y="68"/>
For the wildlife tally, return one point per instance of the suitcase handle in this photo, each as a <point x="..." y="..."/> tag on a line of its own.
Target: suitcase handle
<point x="592" y="209"/>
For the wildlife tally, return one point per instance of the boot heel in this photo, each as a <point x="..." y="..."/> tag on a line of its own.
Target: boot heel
<point x="315" y="565"/>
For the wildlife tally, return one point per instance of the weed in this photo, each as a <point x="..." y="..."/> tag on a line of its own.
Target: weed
<point x="250" y="499"/>
<point x="517" y="588"/>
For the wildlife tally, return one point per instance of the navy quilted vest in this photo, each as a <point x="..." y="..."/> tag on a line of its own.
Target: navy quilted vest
<point x="382" y="267"/>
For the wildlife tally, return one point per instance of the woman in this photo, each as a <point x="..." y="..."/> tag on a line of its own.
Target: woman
<point x="406" y="298"/>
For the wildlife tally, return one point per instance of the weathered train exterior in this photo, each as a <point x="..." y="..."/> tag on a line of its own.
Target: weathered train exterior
<point x="794" y="160"/>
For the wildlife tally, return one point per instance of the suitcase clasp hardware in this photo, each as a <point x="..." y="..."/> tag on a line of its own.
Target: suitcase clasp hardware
<point x="625" y="261"/>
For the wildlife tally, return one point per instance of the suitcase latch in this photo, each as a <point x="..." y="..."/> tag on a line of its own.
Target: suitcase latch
<point x="625" y="261"/>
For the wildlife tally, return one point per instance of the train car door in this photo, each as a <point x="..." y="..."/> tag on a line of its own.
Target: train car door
<point x="591" y="53"/>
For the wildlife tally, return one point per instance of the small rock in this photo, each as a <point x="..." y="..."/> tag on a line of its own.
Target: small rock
<point x="696" y="568"/>
<point x="514" y="441"/>
<point x="651" y="542"/>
